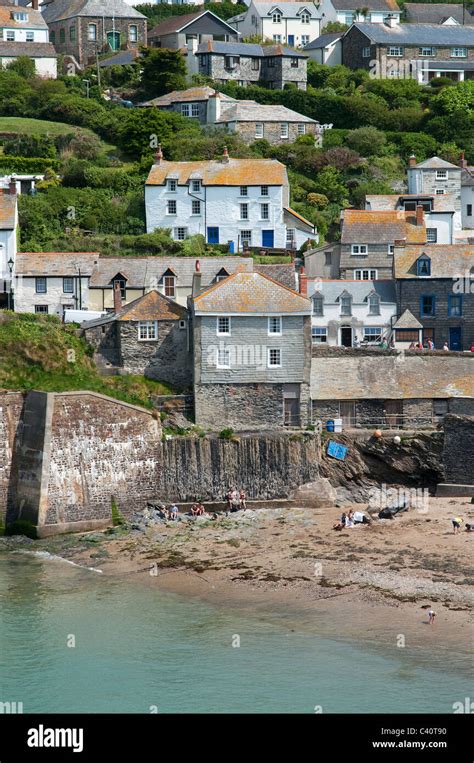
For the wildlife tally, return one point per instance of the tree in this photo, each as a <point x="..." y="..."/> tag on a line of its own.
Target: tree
<point x="333" y="27"/>
<point x="367" y="141"/>
<point x="140" y="130"/>
<point x="458" y="98"/>
<point x="24" y="66"/>
<point x="163" y="70"/>
<point x="329" y="182"/>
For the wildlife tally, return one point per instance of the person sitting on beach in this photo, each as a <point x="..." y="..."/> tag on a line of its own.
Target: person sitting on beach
<point x="341" y="524"/>
<point x="469" y="527"/>
<point x="173" y="512"/>
<point x="229" y="500"/>
<point x="199" y="510"/>
<point x="242" y="499"/>
<point x="350" y="519"/>
<point x="234" y="501"/>
<point x="194" y="509"/>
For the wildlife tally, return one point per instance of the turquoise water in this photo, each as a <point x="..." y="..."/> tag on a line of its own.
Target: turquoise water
<point x="138" y="648"/>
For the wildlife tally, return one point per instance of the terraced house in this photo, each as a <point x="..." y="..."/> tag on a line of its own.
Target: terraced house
<point x="83" y="29"/>
<point x="421" y="51"/>
<point x="293" y="24"/>
<point x="24" y="32"/>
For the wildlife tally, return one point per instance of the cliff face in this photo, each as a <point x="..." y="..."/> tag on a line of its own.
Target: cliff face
<point x="266" y="466"/>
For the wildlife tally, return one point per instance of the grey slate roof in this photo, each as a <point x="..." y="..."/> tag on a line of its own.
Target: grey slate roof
<point x="456" y="65"/>
<point x="467" y="176"/>
<point x="323" y="40"/>
<point x="408" y="321"/>
<point x="417" y="34"/>
<point x="141" y="271"/>
<point x="65" y="9"/>
<point x="289" y="10"/>
<point x="359" y="290"/>
<point x="246" y="49"/>
<point x="437" y="13"/>
<point x="55" y="263"/>
<point x="251" y="111"/>
<point x="30" y="49"/>
<point x="372" y="5"/>
<point x="121" y="59"/>
<point x="435" y="163"/>
<point x="284" y="274"/>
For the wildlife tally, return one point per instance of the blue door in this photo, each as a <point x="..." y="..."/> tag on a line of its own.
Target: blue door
<point x="267" y="238"/>
<point x="291" y="39"/>
<point x="213" y="235"/>
<point x="455" y="342"/>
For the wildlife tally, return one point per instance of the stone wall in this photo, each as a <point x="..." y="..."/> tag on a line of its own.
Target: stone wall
<point x="272" y="131"/>
<point x="458" y="451"/>
<point x="166" y="359"/>
<point x="11" y="406"/>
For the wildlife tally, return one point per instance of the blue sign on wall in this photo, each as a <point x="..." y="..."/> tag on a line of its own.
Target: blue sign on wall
<point x="336" y="450"/>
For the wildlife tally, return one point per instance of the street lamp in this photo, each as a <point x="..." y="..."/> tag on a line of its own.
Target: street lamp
<point x="88" y="82"/>
<point x="10" y="264"/>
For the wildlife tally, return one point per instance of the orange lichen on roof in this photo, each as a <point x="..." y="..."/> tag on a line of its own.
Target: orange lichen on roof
<point x="251" y="293"/>
<point x="447" y="260"/>
<point x="151" y="306"/>
<point x="7" y="211"/>
<point x="299" y="217"/>
<point x="216" y="172"/>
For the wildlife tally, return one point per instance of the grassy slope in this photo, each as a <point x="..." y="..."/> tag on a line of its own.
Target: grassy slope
<point x="37" y="352"/>
<point x="26" y="126"/>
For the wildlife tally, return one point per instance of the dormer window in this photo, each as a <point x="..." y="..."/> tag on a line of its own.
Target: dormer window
<point x="169" y="284"/>
<point x="222" y="275"/>
<point x="423" y="266"/>
<point x="196" y="186"/>
<point x="20" y="16"/>
<point x="276" y="17"/>
<point x="346" y="304"/>
<point x="171" y="186"/>
<point x="305" y="18"/>
<point x="318" y="305"/>
<point x="121" y="281"/>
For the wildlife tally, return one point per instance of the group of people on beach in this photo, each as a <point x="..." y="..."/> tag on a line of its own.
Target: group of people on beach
<point x="428" y="344"/>
<point x="351" y="519"/>
<point x="236" y="499"/>
<point x="457" y="522"/>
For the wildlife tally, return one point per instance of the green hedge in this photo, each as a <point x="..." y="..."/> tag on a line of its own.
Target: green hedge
<point x="28" y="164"/>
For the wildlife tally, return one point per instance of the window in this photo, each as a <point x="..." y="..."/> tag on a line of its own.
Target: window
<point x="305" y="39"/>
<point x="244" y="191"/>
<point x="277" y="38"/>
<point x="284" y="130"/>
<point x="423" y="266"/>
<point x="62" y="35"/>
<point x="185" y="110"/>
<point x="328" y="258"/>
<point x="30" y="37"/>
<point x="348" y="19"/>
<point x="427" y="306"/>
<point x="407" y="335"/>
<point x="169" y="283"/>
<point x="359" y="249"/>
<point x="223" y="326"/>
<point x="431" y="235"/>
<point x="196" y="207"/>
<point x="366" y="52"/>
<point x="374" y="304"/>
<point x="259" y="129"/>
<point x="301" y="129"/>
<point x="180" y="234"/>
<point x="41" y="309"/>
<point x="468" y="210"/>
<point x="195" y="110"/>
<point x="440" y="191"/>
<point x="454" y="305"/>
<point x="133" y="33"/>
<point x="318" y="305"/>
<point x="346" y="305"/>
<point x="305" y="18"/>
<point x="68" y="285"/>
<point x="373" y="333"/>
<point x="246" y="238"/>
<point x="231" y="62"/>
<point x="294" y="63"/>
<point x="458" y="52"/>
<point x="264" y="211"/>
<point x="394" y="50"/>
<point x="122" y="286"/>
<point x="364" y="274"/>
<point x="72" y="33"/>
<point x="92" y="32"/>
<point x="264" y="190"/>
<point x="274" y="325"/>
<point x="11" y="36"/>
<point x="319" y="335"/>
<point x="172" y="207"/>
<point x="270" y="62"/>
<point x="40" y="285"/>
<point x="244" y="211"/>
<point x="291" y="238"/>
<point x="276" y="18"/>
<point x="426" y="51"/>
<point x="147" y="331"/>
<point x="182" y="325"/>
<point x="390" y="248"/>
<point x="223" y="358"/>
<point x="20" y="16"/>
<point x="52" y="36"/>
<point x="196" y="186"/>
<point x="255" y="64"/>
<point x="441" y="174"/>
<point x="171" y="186"/>
<point x="274" y="357"/>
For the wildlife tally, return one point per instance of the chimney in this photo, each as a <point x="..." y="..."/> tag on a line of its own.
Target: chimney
<point x="225" y="155"/>
<point x="303" y="283"/>
<point x="159" y="154"/>
<point x="412" y="161"/>
<point x="463" y="162"/>
<point x="214" y="107"/>
<point x="117" y="297"/>
<point x="12" y="187"/>
<point x="197" y="280"/>
<point x="34" y="5"/>
<point x="391" y="21"/>
<point x="420" y="215"/>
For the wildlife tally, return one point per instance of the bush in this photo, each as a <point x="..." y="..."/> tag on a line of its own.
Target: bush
<point x="226" y="434"/>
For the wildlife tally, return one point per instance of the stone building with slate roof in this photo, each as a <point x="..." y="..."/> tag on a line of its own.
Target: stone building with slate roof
<point x="438" y="13"/>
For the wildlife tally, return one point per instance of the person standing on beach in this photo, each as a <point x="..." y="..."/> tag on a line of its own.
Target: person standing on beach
<point x="457" y="522"/>
<point x="431" y="616"/>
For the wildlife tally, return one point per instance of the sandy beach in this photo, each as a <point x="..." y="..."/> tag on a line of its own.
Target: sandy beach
<point x="373" y="583"/>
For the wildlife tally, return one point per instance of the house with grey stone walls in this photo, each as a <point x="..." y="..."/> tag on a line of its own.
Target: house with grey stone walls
<point x="435" y="283"/>
<point x="273" y="66"/>
<point x="149" y="336"/>
<point x="187" y="31"/>
<point x="252" y="354"/>
<point x="85" y="29"/>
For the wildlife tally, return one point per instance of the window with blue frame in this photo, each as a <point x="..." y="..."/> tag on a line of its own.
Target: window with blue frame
<point x="427" y="306"/>
<point x="454" y="305"/>
<point x="423" y="266"/>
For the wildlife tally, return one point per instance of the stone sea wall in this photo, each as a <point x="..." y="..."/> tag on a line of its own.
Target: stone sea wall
<point x="458" y="450"/>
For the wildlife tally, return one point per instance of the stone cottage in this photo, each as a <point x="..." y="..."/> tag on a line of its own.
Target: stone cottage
<point x="148" y="336"/>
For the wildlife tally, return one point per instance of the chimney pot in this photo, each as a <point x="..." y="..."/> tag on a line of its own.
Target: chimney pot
<point x="34" y="5"/>
<point x="159" y="154"/>
<point x="117" y="297"/>
<point x="412" y="161"/>
<point x="303" y="283"/>
<point x="463" y="162"/>
<point x="420" y="215"/>
<point x="198" y="266"/>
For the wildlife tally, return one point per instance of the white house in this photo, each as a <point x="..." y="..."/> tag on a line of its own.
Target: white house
<point x="52" y="282"/>
<point x="294" y="24"/>
<point x="326" y="49"/>
<point x="348" y="11"/>
<point x="467" y="196"/>
<point x="8" y="238"/>
<point x="24" y="32"/>
<point x="351" y="313"/>
<point x="240" y="202"/>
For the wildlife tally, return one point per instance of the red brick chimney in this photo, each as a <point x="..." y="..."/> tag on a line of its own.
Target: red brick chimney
<point x="303" y="283"/>
<point x="420" y="215"/>
<point x="117" y="297"/>
<point x="12" y="187"/>
<point x="462" y="162"/>
<point x="225" y="155"/>
<point x="159" y="154"/>
<point x="412" y="161"/>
